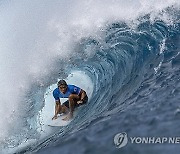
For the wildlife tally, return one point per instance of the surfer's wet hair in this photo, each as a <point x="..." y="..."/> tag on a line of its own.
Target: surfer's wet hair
<point x="61" y="82"/>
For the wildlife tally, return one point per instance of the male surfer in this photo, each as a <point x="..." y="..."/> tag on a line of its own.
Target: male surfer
<point x="76" y="97"/>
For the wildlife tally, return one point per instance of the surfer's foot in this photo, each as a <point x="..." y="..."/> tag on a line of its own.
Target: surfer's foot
<point x="68" y="117"/>
<point x="55" y="117"/>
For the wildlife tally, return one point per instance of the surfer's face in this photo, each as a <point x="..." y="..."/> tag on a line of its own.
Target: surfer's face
<point x="63" y="88"/>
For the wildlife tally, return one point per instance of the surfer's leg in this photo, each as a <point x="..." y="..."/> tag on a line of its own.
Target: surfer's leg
<point x="72" y="100"/>
<point x="64" y="109"/>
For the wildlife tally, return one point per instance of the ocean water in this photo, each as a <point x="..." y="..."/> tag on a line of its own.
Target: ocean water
<point x="125" y="54"/>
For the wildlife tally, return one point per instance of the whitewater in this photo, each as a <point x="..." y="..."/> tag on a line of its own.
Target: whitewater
<point x="125" y="54"/>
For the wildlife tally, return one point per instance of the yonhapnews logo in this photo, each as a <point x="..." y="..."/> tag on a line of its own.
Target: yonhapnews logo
<point x="121" y="140"/>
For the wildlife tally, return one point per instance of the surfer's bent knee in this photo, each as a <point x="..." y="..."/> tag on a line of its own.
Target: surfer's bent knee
<point x="73" y="96"/>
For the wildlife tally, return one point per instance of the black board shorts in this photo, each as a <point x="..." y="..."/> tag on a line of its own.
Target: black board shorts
<point x="66" y="103"/>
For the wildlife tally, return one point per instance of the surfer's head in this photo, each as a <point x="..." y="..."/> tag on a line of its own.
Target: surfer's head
<point x="62" y="85"/>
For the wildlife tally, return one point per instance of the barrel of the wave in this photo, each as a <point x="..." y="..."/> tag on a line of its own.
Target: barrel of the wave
<point x="78" y="78"/>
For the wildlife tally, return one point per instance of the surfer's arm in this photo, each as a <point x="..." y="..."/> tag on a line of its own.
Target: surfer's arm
<point x="82" y="94"/>
<point x="57" y="109"/>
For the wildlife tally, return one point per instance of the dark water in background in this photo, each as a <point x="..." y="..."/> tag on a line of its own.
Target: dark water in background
<point x="136" y="73"/>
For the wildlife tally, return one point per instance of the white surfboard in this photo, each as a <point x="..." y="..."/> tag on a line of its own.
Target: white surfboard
<point x="59" y="121"/>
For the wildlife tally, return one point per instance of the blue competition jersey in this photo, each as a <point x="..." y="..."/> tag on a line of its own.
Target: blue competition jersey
<point x="70" y="90"/>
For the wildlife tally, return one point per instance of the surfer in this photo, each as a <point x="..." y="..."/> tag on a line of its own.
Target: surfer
<point x="76" y="97"/>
